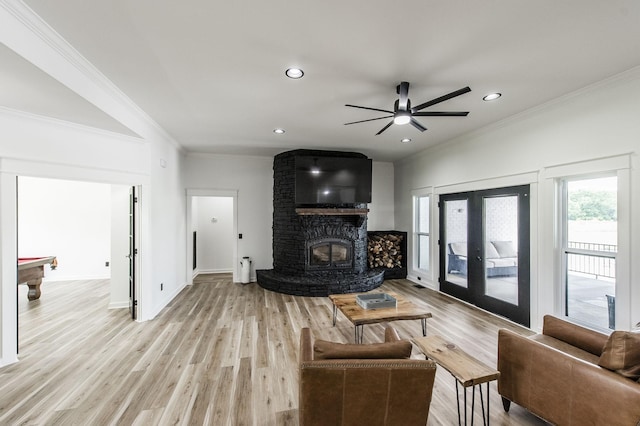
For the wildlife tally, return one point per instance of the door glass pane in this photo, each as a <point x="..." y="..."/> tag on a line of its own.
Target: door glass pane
<point x="456" y="240"/>
<point x="320" y="254"/>
<point x="591" y="247"/>
<point x="339" y="253"/>
<point x="501" y="247"/>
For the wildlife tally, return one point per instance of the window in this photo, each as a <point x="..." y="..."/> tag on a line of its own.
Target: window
<point x="590" y="249"/>
<point x="421" y="232"/>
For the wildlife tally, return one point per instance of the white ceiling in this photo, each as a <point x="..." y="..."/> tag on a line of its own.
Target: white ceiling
<point x="211" y="73"/>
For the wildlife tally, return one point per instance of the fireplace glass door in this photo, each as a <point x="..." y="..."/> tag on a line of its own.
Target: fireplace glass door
<point x="328" y="254"/>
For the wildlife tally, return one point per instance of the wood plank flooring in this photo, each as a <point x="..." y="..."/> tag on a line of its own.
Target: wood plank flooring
<point x="221" y="353"/>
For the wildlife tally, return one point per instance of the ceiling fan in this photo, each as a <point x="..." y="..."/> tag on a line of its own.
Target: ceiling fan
<point x="403" y="113"/>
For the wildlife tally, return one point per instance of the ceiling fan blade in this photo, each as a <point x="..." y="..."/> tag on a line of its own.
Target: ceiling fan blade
<point x="371" y="109"/>
<point x="371" y="119"/>
<point x="417" y="125"/>
<point x="441" y="99"/>
<point x="441" y="114"/>
<point x="403" y="99"/>
<point x="385" y="127"/>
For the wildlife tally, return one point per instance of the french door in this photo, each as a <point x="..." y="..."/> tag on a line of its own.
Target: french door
<point x="484" y="249"/>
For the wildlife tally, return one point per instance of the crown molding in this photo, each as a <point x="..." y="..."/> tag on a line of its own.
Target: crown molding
<point x="24" y="115"/>
<point x="41" y="45"/>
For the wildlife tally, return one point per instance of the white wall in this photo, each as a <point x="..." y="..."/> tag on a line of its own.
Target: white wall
<point x="67" y="219"/>
<point x="252" y="178"/>
<point x="164" y="242"/>
<point x="215" y="234"/>
<point x="381" y="210"/>
<point x="597" y="122"/>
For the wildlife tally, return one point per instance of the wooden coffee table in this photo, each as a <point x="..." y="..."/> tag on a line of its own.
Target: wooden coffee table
<point x="404" y="310"/>
<point x="467" y="371"/>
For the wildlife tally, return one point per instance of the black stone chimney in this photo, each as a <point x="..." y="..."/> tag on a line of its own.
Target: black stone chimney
<point x="316" y="251"/>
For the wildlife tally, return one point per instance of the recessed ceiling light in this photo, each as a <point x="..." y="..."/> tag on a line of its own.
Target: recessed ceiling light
<point x="294" y="73"/>
<point x="405" y="140"/>
<point x="278" y="131"/>
<point x="492" y="96"/>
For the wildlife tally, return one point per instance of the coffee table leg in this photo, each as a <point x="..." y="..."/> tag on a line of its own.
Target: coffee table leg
<point x="458" y="404"/>
<point x="473" y="402"/>
<point x="465" y="405"/>
<point x="335" y="313"/>
<point x="359" y="331"/>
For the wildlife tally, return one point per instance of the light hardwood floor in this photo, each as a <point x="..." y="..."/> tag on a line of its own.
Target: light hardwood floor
<point x="221" y="353"/>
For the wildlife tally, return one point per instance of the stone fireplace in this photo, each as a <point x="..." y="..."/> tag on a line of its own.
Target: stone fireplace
<point x="316" y="251"/>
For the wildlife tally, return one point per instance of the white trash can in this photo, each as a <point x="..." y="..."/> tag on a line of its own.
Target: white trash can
<point x="245" y="273"/>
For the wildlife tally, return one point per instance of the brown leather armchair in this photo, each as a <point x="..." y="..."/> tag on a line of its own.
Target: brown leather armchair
<point x="345" y="384"/>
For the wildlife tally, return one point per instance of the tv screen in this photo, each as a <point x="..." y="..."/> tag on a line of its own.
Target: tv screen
<point x="332" y="180"/>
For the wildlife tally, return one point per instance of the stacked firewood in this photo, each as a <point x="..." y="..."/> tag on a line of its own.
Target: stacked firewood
<point x="385" y="251"/>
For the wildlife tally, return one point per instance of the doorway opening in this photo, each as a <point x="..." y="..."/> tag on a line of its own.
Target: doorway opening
<point x="211" y="233"/>
<point x="79" y="224"/>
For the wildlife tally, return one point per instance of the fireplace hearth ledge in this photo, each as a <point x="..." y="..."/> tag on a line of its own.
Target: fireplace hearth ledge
<point x="320" y="284"/>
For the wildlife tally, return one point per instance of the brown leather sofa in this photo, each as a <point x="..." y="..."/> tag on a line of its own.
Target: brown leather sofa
<point x="371" y="384"/>
<point x="559" y="375"/>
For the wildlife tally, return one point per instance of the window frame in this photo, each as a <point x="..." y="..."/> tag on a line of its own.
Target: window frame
<point x="551" y="251"/>
<point x="566" y="250"/>
<point x="417" y="233"/>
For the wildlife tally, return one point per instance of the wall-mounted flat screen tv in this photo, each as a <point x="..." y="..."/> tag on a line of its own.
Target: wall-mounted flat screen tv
<point x="332" y="180"/>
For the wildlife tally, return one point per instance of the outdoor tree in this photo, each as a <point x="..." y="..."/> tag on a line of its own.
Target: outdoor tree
<point x="592" y="205"/>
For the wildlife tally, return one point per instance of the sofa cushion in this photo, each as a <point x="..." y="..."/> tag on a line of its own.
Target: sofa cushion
<point x="459" y="249"/>
<point x="566" y="348"/>
<point x="323" y="349"/>
<point x="504" y="262"/>
<point x="621" y="353"/>
<point x="490" y="251"/>
<point x="575" y="335"/>
<point x="505" y="248"/>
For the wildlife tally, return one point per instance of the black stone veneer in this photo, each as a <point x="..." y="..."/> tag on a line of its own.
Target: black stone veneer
<point x="292" y="231"/>
<point x="320" y="284"/>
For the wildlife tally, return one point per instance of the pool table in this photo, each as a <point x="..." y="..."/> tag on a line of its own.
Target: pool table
<point x="31" y="271"/>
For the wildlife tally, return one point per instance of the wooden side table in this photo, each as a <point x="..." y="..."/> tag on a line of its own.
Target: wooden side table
<point x="467" y="371"/>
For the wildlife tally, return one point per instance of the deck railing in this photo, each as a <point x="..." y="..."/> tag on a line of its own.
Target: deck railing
<point x="594" y="259"/>
<point x="609" y="248"/>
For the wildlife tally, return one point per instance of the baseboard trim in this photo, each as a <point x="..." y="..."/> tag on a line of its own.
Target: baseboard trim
<point x="118" y="305"/>
<point x="423" y="283"/>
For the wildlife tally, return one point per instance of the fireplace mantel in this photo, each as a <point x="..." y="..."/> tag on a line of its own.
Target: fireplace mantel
<point x="331" y="212"/>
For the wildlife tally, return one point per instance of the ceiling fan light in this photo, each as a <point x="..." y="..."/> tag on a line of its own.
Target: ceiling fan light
<point x="401" y="119"/>
<point x="405" y="140"/>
